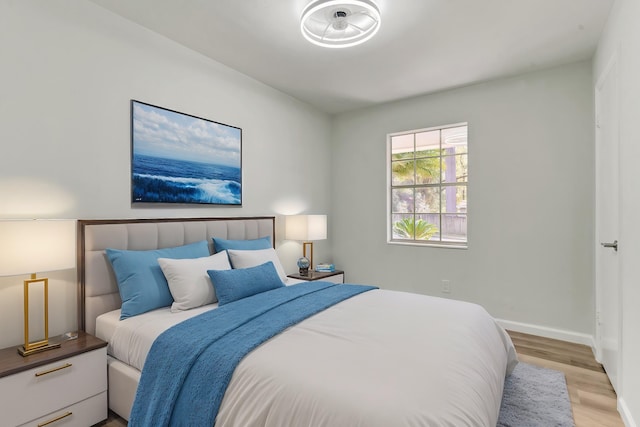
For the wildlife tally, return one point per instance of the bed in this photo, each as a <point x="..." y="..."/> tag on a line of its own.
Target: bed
<point x="375" y="358"/>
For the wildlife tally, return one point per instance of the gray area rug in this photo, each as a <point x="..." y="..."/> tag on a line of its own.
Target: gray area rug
<point x="535" y="397"/>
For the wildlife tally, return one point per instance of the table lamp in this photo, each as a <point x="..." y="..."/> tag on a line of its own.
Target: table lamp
<point x="36" y="246"/>
<point x="306" y="228"/>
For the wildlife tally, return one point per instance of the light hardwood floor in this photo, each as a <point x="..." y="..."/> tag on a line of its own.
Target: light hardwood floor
<point x="593" y="400"/>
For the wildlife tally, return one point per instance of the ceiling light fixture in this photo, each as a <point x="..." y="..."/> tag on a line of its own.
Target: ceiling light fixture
<point x="340" y="23"/>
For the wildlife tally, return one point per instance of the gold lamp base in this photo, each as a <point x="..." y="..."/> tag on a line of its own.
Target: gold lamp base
<point x="304" y="252"/>
<point x="43" y="345"/>
<point x="26" y="352"/>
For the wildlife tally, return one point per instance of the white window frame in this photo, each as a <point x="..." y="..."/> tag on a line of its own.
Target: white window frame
<point x="390" y="187"/>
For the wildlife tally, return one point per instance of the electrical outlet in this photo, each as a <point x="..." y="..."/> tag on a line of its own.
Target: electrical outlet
<point x="446" y="286"/>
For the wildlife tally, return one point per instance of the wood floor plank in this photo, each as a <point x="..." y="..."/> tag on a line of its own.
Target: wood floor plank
<point x="567" y="353"/>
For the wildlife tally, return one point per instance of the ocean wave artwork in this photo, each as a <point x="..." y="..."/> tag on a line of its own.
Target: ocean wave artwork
<point x="179" y="181"/>
<point x="178" y="158"/>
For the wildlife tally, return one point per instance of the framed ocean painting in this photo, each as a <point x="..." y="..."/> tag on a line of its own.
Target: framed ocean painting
<point x="180" y="158"/>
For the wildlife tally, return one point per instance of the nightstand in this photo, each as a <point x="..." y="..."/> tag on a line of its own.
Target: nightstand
<point x="334" y="277"/>
<point x="66" y="386"/>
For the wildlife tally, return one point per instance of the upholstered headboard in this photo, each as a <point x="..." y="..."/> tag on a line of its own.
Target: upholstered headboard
<point x="97" y="287"/>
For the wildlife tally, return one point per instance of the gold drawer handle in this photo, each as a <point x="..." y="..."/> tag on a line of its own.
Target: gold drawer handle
<point x="46" y="423"/>
<point x="65" y="366"/>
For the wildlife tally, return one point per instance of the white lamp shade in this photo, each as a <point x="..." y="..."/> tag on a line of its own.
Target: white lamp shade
<point x="306" y="227"/>
<point x="35" y="246"/>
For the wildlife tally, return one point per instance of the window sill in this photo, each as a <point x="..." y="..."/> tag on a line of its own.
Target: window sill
<point x="430" y="245"/>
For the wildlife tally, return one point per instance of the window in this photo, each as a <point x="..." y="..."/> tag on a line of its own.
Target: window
<point x="427" y="191"/>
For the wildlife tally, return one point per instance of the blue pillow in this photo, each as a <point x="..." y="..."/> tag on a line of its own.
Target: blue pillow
<point x="142" y="285"/>
<point x="220" y="245"/>
<point x="232" y="285"/>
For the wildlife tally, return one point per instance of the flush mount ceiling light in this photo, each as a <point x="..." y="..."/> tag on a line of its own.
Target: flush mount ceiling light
<point x="340" y="23"/>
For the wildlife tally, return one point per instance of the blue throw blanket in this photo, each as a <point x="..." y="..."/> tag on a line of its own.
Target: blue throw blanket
<point x="190" y="365"/>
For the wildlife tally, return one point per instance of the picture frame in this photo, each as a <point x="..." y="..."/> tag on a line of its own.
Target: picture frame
<point x="181" y="158"/>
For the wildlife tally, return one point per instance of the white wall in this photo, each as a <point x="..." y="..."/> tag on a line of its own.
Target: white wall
<point x="622" y="35"/>
<point x="531" y="216"/>
<point x="68" y="70"/>
<point x="67" y="73"/>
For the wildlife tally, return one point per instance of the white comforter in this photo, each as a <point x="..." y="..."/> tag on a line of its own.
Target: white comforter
<point x="382" y="358"/>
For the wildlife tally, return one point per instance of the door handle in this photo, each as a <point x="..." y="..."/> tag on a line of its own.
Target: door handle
<point x="613" y="245"/>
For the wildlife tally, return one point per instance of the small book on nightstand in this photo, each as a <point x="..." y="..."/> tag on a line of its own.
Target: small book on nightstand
<point x="325" y="268"/>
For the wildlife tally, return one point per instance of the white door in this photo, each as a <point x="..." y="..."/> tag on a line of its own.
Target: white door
<point x="608" y="293"/>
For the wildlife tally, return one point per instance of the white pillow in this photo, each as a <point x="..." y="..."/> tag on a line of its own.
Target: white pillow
<point x="189" y="282"/>
<point x="253" y="258"/>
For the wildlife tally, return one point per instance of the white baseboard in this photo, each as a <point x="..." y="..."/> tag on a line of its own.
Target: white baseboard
<point x="625" y="414"/>
<point x="544" y="331"/>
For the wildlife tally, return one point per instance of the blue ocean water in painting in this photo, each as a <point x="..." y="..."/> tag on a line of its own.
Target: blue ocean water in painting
<point x="156" y="179"/>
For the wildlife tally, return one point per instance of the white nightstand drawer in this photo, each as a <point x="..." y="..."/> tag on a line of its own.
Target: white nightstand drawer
<point x="86" y="413"/>
<point x="43" y="390"/>
<point x="338" y="278"/>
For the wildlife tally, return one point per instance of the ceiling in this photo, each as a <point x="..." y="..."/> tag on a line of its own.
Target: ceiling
<point x="423" y="46"/>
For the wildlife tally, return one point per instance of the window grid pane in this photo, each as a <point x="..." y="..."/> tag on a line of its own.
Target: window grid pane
<point x="403" y="172"/>
<point x="403" y="200"/>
